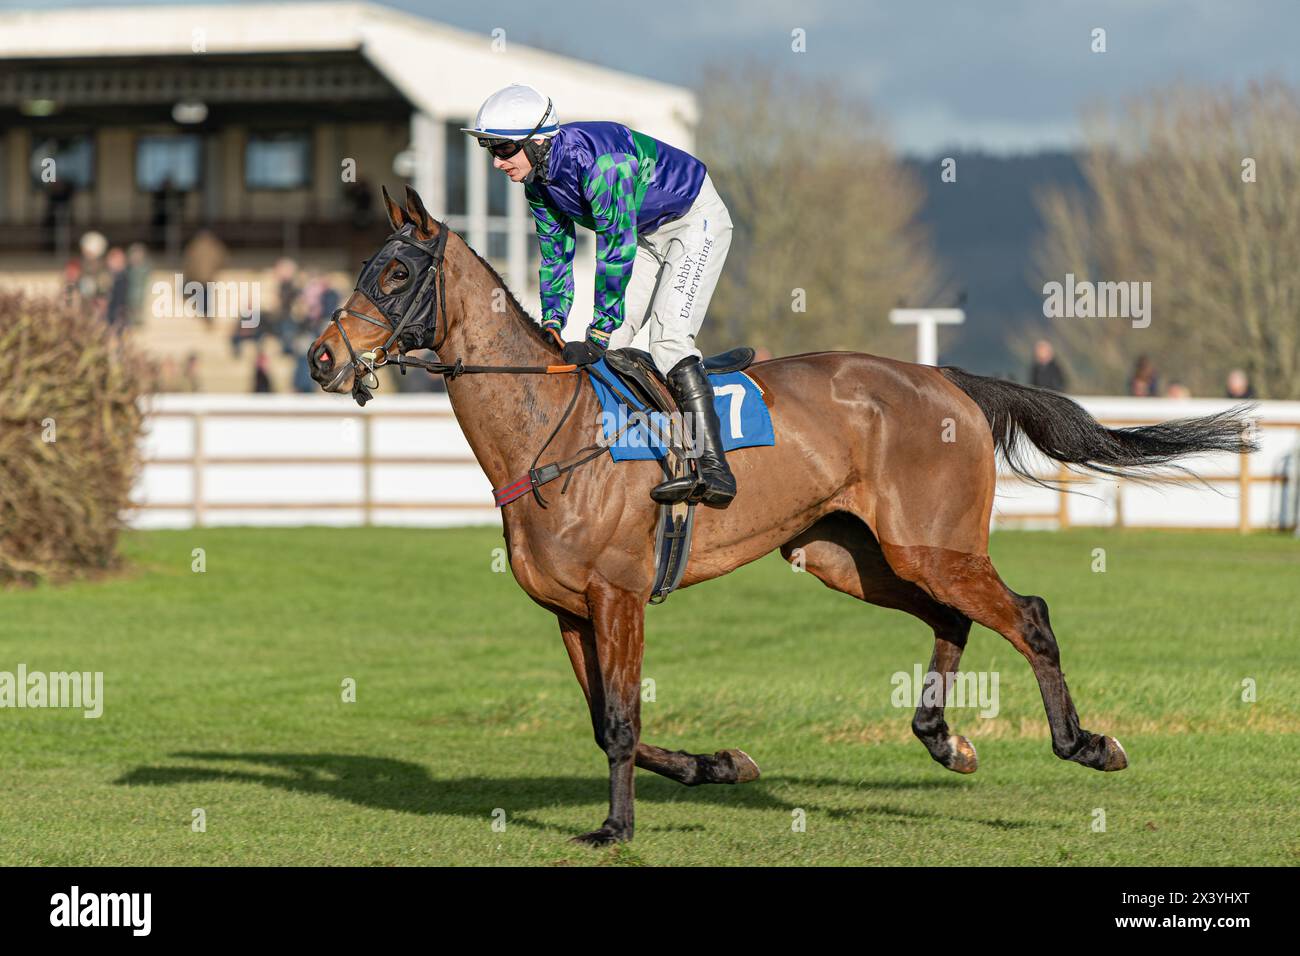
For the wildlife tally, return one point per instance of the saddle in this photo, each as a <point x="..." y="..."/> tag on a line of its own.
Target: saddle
<point x="636" y="370"/>
<point x="638" y="377"/>
<point x="637" y="373"/>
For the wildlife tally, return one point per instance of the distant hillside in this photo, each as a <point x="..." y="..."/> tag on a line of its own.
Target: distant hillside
<point x="984" y="228"/>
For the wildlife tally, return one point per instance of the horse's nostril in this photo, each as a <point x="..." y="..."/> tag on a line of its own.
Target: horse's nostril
<point x="324" y="361"/>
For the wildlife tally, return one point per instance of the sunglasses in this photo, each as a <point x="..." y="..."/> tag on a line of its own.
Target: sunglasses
<point x="501" y="148"/>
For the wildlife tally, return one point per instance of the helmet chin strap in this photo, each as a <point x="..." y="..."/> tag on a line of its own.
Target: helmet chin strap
<point x="538" y="154"/>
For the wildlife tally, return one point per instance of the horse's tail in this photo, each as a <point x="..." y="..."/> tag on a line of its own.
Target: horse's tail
<point x="1063" y="431"/>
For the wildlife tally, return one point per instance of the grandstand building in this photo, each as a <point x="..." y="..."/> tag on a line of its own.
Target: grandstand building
<point x="254" y="120"/>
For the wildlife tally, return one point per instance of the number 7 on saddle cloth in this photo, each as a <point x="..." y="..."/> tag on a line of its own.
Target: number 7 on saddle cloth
<point x="737" y="398"/>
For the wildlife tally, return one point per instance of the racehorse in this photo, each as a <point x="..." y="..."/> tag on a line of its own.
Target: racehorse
<point x="881" y="480"/>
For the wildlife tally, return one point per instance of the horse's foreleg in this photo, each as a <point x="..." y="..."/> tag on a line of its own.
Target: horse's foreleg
<point x="725" y="766"/>
<point x="611" y="650"/>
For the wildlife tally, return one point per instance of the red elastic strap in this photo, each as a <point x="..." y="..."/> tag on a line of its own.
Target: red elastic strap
<point x="510" y="492"/>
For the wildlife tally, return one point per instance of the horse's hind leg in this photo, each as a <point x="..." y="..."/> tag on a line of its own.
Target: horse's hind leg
<point x="842" y="552"/>
<point x="969" y="583"/>
<point x="725" y="766"/>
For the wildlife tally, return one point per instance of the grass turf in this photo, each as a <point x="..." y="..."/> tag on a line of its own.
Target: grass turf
<point x="223" y="692"/>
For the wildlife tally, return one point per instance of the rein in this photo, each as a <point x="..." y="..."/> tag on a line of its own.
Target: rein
<point x="433" y="288"/>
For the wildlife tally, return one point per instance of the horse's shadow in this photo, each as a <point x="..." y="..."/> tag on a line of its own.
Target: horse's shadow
<point x="396" y="785"/>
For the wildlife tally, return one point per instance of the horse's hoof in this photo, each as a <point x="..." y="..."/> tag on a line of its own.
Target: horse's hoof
<point x="963" y="759"/>
<point x="602" y="837"/>
<point x="1116" y="758"/>
<point x="746" y="769"/>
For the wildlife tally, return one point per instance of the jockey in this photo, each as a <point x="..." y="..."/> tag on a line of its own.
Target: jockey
<point x="654" y="211"/>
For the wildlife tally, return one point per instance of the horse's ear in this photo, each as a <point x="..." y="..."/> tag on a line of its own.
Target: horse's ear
<point x="397" y="217"/>
<point x="417" y="213"/>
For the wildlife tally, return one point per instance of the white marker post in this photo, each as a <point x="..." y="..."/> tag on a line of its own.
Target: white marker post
<point x="927" y="322"/>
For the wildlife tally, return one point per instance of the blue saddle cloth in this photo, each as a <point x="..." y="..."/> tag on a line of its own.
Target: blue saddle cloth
<point x="736" y="398"/>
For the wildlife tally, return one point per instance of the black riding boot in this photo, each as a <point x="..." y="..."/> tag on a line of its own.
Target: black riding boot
<point x="715" y="484"/>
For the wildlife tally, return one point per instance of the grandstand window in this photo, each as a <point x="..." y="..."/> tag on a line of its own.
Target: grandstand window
<point x="278" y="161"/>
<point x="160" y="159"/>
<point x="73" y="161"/>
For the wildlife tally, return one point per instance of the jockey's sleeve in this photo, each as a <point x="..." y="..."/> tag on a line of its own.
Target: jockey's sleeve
<point x="555" y="277"/>
<point x="610" y="188"/>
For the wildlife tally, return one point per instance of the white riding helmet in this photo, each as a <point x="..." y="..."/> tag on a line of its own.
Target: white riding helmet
<point x="516" y="112"/>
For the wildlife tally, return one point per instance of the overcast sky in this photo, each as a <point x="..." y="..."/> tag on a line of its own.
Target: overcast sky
<point x="1000" y="75"/>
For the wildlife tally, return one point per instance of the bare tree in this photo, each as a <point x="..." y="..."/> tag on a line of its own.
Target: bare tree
<point x="825" y="240"/>
<point x="1198" y="192"/>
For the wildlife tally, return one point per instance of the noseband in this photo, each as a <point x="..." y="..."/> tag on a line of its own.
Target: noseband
<point x="410" y="314"/>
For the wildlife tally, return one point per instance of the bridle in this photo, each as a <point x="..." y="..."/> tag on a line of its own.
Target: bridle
<point x="410" y="314"/>
<point x="411" y="318"/>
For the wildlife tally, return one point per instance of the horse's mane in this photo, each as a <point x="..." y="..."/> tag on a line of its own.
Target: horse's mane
<point x="513" y="305"/>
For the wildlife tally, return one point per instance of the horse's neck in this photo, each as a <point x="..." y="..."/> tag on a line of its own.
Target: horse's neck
<point x="505" y="417"/>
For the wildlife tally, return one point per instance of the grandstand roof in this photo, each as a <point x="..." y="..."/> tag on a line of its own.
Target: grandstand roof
<point x="443" y="71"/>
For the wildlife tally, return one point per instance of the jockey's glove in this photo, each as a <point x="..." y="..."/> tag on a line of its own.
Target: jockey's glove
<point x="582" y="353"/>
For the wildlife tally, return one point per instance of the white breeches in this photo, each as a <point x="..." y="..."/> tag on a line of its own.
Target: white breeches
<point x="691" y="251"/>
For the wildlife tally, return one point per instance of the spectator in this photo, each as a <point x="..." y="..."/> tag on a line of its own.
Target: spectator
<point x="278" y="316"/>
<point x="317" y="303"/>
<point x="72" y="283"/>
<point x="1046" y="371"/>
<point x="137" y="282"/>
<point x="1145" y="383"/>
<point x="302" y="380"/>
<point x="1178" y="390"/>
<point x="58" y="214"/>
<point x="1238" y="385"/>
<point x="330" y="301"/>
<point x="190" y="381"/>
<point x="168" y="375"/>
<point x="116" y="311"/>
<point x="92" y="285"/>
<point x="262" y="372"/>
<point x="287" y="293"/>
<point x="239" y="336"/>
<point x="164" y="201"/>
<point x="205" y="255"/>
